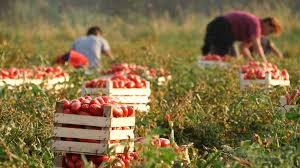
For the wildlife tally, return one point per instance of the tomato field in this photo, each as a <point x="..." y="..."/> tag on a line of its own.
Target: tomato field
<point x="224" y="125"/>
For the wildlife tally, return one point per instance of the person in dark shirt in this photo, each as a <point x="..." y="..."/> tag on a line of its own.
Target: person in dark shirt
<point x="244" y="27"/>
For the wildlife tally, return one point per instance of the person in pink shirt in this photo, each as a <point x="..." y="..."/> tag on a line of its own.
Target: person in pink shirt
<point x="223" y="31"/>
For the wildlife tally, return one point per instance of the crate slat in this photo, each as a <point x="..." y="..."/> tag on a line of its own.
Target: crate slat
<point x="93" y="120"/>
<point x="81" y="133"/>
<point x="110" y="91"/>
<point x="268" y="81"/>
<point x="123" y="122"/>
<point x="133" y="99"/>
<point x="116" y="91"/>
<point x="205" y="64"/>
<point x="87" y="148"/>
<point x="79" y="147"/>
<point x="129" y="92"/>
<point x="48" y="82"/>
<point x="121" y="134"/>
<point x="81" y="120"/>
<point x="92" y="134"/>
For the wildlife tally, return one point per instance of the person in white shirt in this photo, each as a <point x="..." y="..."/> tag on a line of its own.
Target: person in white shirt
<point x="92" y="46"/>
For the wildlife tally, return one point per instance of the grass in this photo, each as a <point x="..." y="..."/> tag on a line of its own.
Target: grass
<point x="229" y="128"/>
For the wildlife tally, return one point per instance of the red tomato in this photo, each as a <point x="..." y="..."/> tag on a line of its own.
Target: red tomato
<point x="106" y="99"/>
<point x="100" y="100"/>
<point x="103" y="158"/>
<point x="164" y="142"/>
<point x="81" y="99"/>
<point x="130" y="84"/>
<point x="79" y="164"/>
<point x="121" y="84"/>
<point x="67" y="111"/>
<point x="75" y="107"/>
<point x="285" y="74"/>
<point x="135" y="155"/>
<point x="96" y="110"/>
<point x="86" y="101"/>
<point x="75" y="157"/>
<point x="93" y="83"/>
<point x="49" y="69"/>
<point x="275" y="75"/>
<point x="115" y="84"/>
<point x="125" y="111"/>
<point x="85" y="107"/>
<point x="167" y="117"/>
<point x="95" y="101"/>
<point x="88" y="97"/>
<point x="144" y="82"/>
<point x="138" y="85"/>
<point x="70" y="164"/>
<point x="67" y="104"/>
<point x="118" y="77"/>
<point x="117" y="111"/>
<point x="260" y="74"/>
<point x="131" y="111"/>
<point x="75" y="100"/>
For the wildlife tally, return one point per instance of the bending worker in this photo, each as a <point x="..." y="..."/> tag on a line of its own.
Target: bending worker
<point x="92" y="46"/>
<point x="244" y="27"/>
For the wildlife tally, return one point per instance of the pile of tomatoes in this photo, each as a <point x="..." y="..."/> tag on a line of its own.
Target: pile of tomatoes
<point x="94" y="107"/>
<point x="258" y="70"/>
<point x="293" y="98"/>
<point x="120" y="80"/>
<point x="137" y="70"/>
<point x="214" y="57"/>
<point x="34" y="73"/>
<point x="116" y="161"/>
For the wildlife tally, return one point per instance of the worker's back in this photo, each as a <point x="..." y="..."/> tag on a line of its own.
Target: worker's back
<point x="91" y="46"/>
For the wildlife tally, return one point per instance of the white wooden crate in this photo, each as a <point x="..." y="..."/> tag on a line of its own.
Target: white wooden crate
<point x="203" y="63"/>
<point x="285" y="107"/>
<point x="49" y="83"/>
<point x="136" y="97"/>
<point x="105" y="135"/>
<point x="267" y="82"/>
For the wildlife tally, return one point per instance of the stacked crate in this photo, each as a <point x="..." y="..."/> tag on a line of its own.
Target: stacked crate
<point x="92" y="128"/>
<point x="136" y="97"/>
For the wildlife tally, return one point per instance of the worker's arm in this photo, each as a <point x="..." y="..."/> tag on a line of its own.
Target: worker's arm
<point x="275" y="50"/>
<point x="257" y="46"/>
<point x="245" y="50"/>
<point x="109" y="54"/>
<point x="106" y="50"/>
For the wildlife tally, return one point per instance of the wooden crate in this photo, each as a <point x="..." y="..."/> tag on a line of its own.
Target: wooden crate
<point x="136" y="97"/>
<point x="105" y="135"/>
<point x="54" y="83"/>
<point x="267" y="82"/>
<point x="205" y="64"/>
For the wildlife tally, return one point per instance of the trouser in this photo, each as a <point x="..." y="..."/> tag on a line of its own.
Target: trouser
<point x="219" y="38"/>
